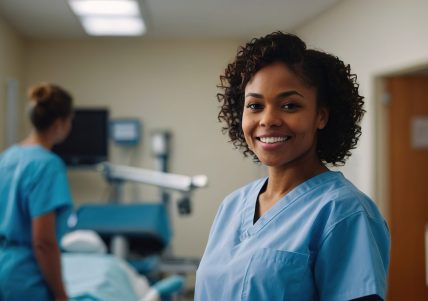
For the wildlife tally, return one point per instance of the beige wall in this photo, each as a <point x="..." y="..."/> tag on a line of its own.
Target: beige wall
<point x="12" y="58"/>
<point x="168" y="85"/>
<point x="172" y="85"/>
<point x="376" y="38"/>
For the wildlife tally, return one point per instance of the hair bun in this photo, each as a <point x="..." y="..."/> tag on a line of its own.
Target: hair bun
<point x="40" y="93"/>
<point x="48" y="103"/>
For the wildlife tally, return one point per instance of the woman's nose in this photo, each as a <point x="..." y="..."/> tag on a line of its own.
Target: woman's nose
<point x="270" y="118"/>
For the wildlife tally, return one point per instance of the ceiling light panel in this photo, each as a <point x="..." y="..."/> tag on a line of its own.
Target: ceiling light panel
<point x="109" y="17"/>
<point x="105" y="26"/>
<point x="104" y="7"/>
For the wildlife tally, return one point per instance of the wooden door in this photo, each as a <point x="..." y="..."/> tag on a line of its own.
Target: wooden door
<point x="408" y="188"/>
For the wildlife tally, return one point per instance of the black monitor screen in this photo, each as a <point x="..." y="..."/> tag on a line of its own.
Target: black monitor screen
<point x="87" y="142"/>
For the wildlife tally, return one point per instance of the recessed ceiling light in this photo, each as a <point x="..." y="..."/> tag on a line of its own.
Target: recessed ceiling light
<point x="104" y="7"/>
<point x="105" y="26"/>
<point x="109" y="17"/>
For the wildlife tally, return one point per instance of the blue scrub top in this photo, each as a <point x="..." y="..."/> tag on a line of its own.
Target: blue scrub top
<point x="33" y="182"/>
<point x="325" y="240"/>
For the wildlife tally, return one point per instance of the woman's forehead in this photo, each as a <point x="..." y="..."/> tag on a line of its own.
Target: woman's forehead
<point x="276" y="76"/>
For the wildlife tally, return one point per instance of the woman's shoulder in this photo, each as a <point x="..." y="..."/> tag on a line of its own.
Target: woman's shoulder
<point x="339" y="198"/>
<point x="32" y="157"/>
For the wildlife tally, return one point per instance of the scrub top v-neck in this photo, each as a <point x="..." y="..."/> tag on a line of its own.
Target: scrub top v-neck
<point x="324" y="240"/>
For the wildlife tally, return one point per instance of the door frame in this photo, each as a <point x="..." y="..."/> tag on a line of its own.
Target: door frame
<point x="381" y="141"/>
<point x="381" y="100"/>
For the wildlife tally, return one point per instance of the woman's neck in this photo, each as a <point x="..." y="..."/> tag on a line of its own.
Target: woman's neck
<point x="281" y="181"/>
<point x="36" y="138"/>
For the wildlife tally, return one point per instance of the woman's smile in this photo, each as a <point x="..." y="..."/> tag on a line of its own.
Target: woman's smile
<point x="273" y="143"/>
<point x="273" y="140"/>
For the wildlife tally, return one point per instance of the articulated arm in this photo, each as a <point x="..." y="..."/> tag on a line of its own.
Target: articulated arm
<point x="163" y="180"/>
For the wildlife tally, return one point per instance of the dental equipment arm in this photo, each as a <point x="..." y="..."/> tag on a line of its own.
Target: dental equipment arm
<point x="163" y="180"/>
<point x="117" y="175"/>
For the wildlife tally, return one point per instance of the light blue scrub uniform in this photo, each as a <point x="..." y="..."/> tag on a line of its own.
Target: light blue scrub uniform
<point x="325" y="240"/>
<point x="33" y="182"/>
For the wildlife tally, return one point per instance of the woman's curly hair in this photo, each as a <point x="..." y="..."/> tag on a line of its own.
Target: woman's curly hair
<point x="337" y="90"/>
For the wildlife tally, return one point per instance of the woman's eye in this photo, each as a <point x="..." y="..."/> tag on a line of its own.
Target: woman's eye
<point x="290" y="106"/>
<point x="254" y="106"/>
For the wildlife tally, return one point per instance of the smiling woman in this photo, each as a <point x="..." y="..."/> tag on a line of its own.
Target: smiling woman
<point x="304" y="232"/>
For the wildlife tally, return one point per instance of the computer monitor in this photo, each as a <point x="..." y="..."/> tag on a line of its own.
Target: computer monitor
<point x="87" y="143"/>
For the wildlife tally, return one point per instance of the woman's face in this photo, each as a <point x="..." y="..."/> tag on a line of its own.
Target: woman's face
<point x="280" y="118"/>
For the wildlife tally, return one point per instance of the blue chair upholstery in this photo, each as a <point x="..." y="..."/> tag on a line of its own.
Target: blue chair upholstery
<point x="146" y="226"/>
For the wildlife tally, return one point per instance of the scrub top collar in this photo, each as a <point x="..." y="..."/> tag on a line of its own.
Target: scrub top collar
<point x="250" y="228"/>
<point x="29" y="146"/>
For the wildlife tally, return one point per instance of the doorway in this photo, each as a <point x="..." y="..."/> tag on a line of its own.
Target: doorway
<point x="402" y="179"/>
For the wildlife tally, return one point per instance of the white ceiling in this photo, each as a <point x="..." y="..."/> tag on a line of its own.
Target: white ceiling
<point x="41" y="19"/>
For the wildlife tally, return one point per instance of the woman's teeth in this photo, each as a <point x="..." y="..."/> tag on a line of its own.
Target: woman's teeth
<point x="273" y="139"/>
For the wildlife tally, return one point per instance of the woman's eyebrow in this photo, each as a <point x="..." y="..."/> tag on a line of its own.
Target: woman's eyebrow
<point x="255" y="95"/>
<point x="280" y="95"/>
<point x="289" y="93"/>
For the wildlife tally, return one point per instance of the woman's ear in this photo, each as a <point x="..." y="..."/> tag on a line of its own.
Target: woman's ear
<point x="57" y="124"/>
<point x="323" y="115"/>
<point x="61" y="128"/>
<point x="62" y="123"/>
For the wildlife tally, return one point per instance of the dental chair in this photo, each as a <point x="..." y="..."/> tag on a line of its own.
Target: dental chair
<point x="140" y="233"/>
<point x="90" y="273"/>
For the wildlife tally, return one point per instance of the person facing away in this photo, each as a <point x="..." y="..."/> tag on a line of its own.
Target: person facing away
<point x="304" y="232"/>
<point x="35" y="201"/>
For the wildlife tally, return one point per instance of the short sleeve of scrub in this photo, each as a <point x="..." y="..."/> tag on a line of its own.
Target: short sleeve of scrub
<point x="358" y="245"/>
<point x="50" y="192"/>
